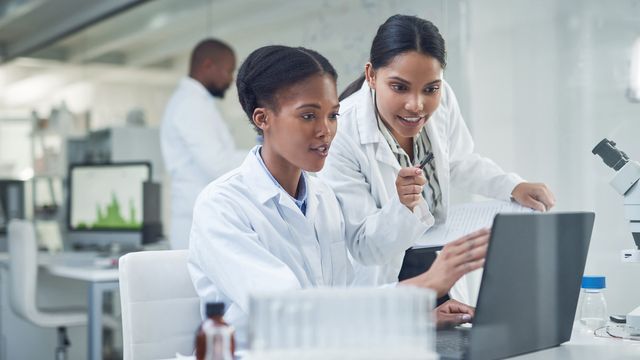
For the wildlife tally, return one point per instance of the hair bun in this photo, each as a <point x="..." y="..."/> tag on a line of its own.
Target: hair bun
<point x="271" y="68"/>
<point x="246" y="96"/>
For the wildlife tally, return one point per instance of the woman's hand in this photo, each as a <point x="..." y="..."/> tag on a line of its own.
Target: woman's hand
<point x="453" y="313"/>
<point x="409" y="185"/>
<point x="534" y="195"/>
<point x="456" y="259"/>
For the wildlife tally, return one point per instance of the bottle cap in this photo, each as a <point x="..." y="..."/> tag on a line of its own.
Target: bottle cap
<point x="593" y="282"/>
<point x="215" y="309"/>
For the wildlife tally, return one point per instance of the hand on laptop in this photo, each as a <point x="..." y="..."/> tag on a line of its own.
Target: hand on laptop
<point x="456" y="259"/>
<point x="453" y="313"/>
<point x="536" y="196"/>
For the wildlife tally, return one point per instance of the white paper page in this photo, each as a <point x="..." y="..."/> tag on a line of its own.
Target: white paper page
<point x="465" y="218"/>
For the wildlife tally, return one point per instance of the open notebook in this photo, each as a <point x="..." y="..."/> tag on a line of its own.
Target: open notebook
<point x="465" y="218"/>
<point x="461" y="220"/>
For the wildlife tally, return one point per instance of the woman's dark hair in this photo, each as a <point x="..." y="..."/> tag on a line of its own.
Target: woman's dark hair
<point x="398" y="35"/>
<point x="272" y="68"/>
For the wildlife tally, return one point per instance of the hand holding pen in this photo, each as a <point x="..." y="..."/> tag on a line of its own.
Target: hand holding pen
<point x="410" y="182"/>
<point x="427" y="159"/>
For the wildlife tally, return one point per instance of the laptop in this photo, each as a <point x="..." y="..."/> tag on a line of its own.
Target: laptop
<point x="530" y="287"/>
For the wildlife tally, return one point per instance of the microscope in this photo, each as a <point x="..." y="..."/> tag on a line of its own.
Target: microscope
<point x="626" y="183"/>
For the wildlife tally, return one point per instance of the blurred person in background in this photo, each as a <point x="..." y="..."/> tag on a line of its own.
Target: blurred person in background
<point x="197" y="146"/>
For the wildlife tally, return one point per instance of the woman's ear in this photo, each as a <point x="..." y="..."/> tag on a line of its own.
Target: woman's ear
<point x="370" y="75"/>
<point x="260" y="118"/>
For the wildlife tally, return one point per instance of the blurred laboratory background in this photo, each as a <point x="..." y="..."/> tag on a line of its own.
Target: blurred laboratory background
<point x="85" y="82"/>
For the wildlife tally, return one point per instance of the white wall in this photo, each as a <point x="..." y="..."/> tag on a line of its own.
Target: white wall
<point x="547" y="81"/>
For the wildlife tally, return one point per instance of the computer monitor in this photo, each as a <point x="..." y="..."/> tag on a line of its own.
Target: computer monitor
<point x="106" y="203"/>
<point x="12" y="202"/>
<point x="12" y="206"/>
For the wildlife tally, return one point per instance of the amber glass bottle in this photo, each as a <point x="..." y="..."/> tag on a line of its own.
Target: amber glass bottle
<point x="214" y="338"/>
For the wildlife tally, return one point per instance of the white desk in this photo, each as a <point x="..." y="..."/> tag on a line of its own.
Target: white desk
<point x="80" y="266"/>
<point x="585" y="346"/>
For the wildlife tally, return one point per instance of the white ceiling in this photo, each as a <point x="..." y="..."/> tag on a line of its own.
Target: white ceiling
<point x="27" y="25"/>
<point x="152" y="39"/>
<point x="148" y="33"/>
<point x="148" y="43"/>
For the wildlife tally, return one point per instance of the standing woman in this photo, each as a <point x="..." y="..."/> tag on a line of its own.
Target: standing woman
<point x="400" y="112"/>
<point x="267" y="225"/>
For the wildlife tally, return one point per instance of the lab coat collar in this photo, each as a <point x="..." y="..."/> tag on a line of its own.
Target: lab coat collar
<point x="366" y="115"/>
<point x="302" y="185"/>
<point x="368" y="127"/>
<point x="256" y="178"/>
<point x="194" y="85"/>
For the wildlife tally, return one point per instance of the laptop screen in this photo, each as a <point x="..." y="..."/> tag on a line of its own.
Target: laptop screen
<point x="531" y="283"/>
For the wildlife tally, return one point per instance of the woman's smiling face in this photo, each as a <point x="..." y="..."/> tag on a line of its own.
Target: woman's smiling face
<point x="407" y="92"/>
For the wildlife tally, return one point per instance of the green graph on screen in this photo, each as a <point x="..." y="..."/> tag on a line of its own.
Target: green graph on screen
<point x="110" y="217"/>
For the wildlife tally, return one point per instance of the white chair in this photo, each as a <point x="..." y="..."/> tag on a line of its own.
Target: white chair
<point x="160" y="307"/>
<point x="23" y="276"/>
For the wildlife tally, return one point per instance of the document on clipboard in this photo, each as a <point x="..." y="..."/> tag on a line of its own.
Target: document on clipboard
<point x="466" y="218"/>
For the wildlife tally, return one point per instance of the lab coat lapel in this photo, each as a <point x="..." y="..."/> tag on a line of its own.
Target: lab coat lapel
<point x="304" y="232"/>
<point x="324" y="246"/>
<point x="369" y="132"/>
<point x="386" y="167"/>
<point x="312" y="201"/>
<point x="257" y="179"/>
<point x="300" y="230"/>
<point x="435" y="131"/>
<point x="385" y="156"/>
<point x="322" y="234"/>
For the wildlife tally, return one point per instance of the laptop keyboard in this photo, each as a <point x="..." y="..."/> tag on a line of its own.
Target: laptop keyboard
<point x="452" y="343"/>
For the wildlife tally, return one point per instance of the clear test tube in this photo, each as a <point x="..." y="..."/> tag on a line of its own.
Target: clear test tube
<point x="368" y="319"/>
<point x="359" y="308"/>
<point x="257" y="324"/>
<point x="333" y="312"/>
<point x="307" y="326"/>
<point x="290" y="333"/>
<point x="391" y="318"/>
<point x="344" y="333"/>
<point x="275" y="321"/>
<point x="414" y="317"/>
<point x="321" y="340"/>
<point x="428" y="321"/>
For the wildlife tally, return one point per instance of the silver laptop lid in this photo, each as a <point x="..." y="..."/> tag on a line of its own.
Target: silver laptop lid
<point x="530" y="284"/>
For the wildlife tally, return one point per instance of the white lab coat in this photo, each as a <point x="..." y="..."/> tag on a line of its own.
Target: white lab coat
<point x="197" y="147"/>
<point x="242" y="242"/>
<point x="362" y="170"/>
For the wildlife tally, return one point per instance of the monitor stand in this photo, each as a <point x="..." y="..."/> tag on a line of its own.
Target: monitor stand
<point x="104" y="240"/>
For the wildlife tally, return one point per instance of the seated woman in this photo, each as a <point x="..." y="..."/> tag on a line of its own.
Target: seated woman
<point x="268" y="225"/>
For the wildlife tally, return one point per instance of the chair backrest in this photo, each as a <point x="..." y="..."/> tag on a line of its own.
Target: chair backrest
<point x="160" y="307"/>
<point x="23" y="268"/>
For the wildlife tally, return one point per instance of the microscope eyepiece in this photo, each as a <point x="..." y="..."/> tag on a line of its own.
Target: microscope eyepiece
<point x="611" y="156"/>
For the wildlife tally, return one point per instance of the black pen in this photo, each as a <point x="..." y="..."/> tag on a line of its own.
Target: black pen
<point x="426" y="160"/>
